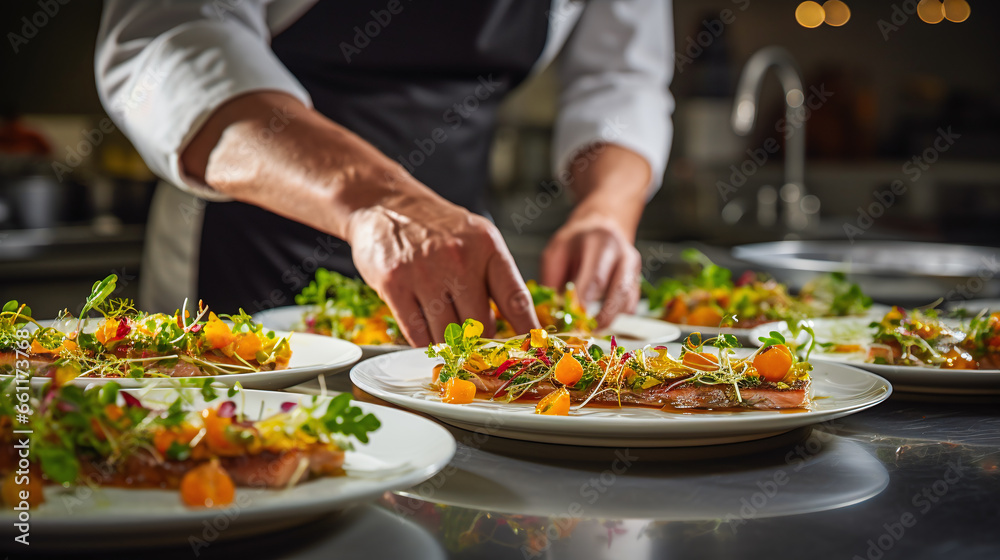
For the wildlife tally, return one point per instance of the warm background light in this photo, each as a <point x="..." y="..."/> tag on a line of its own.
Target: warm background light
<point x="809" y="14"/>
<point x="957" y="10"/>
<point x="930" y="11"/>
<point x="837" y="12"/>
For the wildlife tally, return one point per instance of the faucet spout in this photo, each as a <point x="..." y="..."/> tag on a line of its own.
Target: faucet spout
<point x="745" y="112"/>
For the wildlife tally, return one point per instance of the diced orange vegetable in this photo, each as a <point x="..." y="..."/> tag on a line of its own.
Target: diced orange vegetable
<point x="555" y="403"/>
<point x="773" y="362"/>
<point x="437" y="373"/>
<point x="113" y="411"/>
<point x="705" y="316"/>
<point x="107" y="331"/>
<point x="539" y="338"/>
<point x="959" y="359"/>
<point x="10" y="490"/>
<point x="217" y="333"/>
<point x="568" y="370"/>
<point x="372" y="332"/>
<point x="208" y="486"/>
<point x="182" y="434"/>
<point x="217" y="434"/>
<point x="458" y="391"/>
<point x="701" y="360"/>
<point x="247" y="345"/>
<point x="677" y="311"/>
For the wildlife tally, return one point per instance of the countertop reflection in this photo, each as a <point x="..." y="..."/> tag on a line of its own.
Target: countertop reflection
<point x="911" y="478"/>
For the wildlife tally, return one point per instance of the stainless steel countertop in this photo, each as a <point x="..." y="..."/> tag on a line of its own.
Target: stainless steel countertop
<point x="912" y="478"/>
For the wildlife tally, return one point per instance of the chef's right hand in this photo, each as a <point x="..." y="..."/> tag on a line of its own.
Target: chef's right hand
<point x="436" y="263"/>
<point x="433" y="262"/>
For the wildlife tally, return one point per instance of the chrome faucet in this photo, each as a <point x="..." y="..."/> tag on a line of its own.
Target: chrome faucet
<point x="798" y="205"/>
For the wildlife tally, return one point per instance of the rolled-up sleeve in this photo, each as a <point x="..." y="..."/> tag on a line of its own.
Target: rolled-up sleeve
<point x="614" y="72"/>
<point x="163" y="67"/>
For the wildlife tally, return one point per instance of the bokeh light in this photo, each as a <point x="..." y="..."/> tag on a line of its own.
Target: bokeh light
<point x="837" y="12"/>
<point x="810" y="14"/>
<point x="930" y="11"/>
<point x="957" y="10"/>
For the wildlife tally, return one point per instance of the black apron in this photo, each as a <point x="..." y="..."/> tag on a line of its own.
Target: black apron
<point x="422" y="85"/>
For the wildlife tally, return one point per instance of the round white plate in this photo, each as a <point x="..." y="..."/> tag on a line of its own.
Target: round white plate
<point x="875" y="312"/>
<point x="289" y="318"/>
<point x="312" y="355"/>
<point x="633" y="330"/>
<point x="636" y="331"/>
<point x="913" y="379"/>
<point x="405" y="451"/>
<point x="403" y="378"/>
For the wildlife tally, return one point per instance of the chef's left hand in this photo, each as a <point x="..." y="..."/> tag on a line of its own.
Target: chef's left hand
<point x="595" y="249"/>
<point x="597" y="254"/>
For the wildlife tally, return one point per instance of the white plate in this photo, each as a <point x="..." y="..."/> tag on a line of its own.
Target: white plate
<point x="635" y="330"/>
<point x="312" y="355"/>
<point x="402" y="379"/>
<point x="913" y="379"/>
<point x="289" y="318"/>
<point x="875" y="312"/>
<point x="405" y="451"/>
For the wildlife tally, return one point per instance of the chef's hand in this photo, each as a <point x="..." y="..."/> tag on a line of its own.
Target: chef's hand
<point x="433" y="262"/>
<point x="436" y="263"/>
<point x="595" y="249"/>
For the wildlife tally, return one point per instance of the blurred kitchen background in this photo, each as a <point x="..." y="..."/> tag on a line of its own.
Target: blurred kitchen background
<point x="880" y="81"/>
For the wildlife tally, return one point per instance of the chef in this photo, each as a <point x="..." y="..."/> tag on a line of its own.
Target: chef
<point x="355" y="136"/>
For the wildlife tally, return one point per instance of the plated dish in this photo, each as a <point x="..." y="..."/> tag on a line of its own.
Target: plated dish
<point x="140" y="465"/>
<point x="132" y="346"/>
<point x="918" y="350"/>
<point x="563" y="375"/>
<point x="405" y="379"/>
<point x="347" y="308"/>
<point x="711" y="301"/>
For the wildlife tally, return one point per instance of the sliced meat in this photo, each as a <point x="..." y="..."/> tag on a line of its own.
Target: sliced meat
<point x="766" y="396"/>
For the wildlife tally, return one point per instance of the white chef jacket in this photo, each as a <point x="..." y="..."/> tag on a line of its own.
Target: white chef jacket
<point x="164" y="66"/>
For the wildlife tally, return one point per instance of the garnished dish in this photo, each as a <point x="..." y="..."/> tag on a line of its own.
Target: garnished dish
<point x="127" y="343"/>
<point x="347" y="308"/>
<point x="918" y="350"/>
<point x="563" y="375"/>
<point x="105" y="437"/>
<point x="922" y="338"/>
<point x="711" y="298"/>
